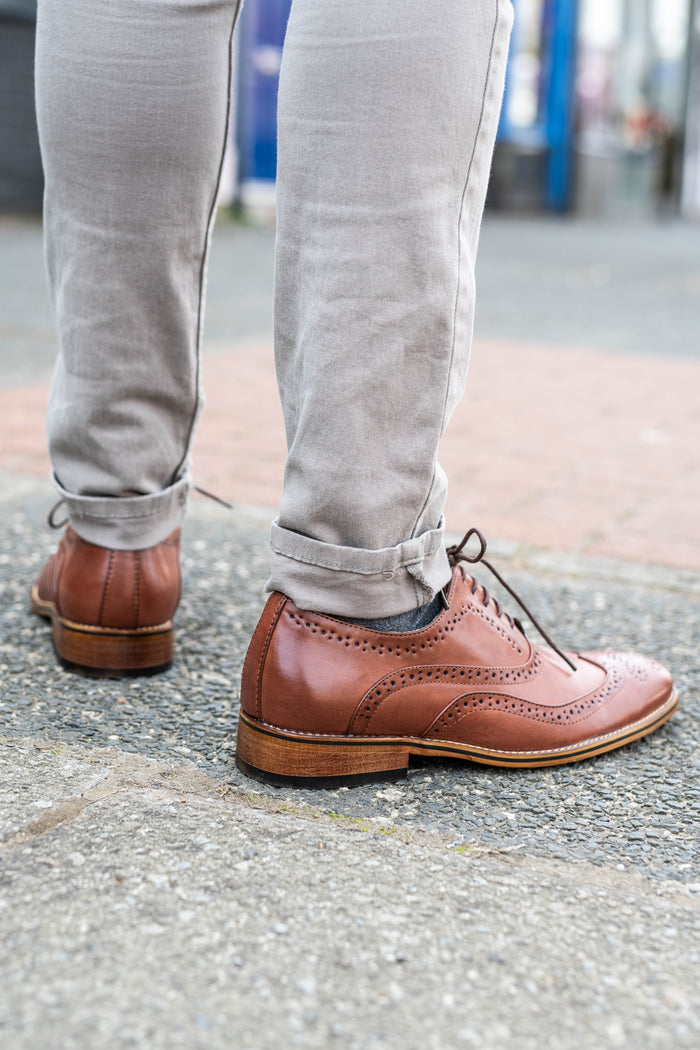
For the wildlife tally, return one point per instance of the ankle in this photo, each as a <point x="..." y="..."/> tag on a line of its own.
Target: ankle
<point x="413" y="620"/>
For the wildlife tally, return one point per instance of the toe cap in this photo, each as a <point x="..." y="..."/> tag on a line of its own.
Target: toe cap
<point x="644" y="686"/>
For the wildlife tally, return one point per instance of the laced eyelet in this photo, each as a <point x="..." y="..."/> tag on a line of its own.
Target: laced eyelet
<point x="457" y="554"/>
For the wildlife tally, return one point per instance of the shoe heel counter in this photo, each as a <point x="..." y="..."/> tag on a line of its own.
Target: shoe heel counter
<point x="159" y="582"/>
<point x="80" y="594"/>
<point x="254" y="665"/>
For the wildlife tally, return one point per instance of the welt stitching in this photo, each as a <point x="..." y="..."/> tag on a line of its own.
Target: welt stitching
<point x="613" y="734"/>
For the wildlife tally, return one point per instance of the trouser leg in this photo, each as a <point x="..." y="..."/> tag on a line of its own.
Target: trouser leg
<point x="132" y="104"/>
<point x="387" y="118"/>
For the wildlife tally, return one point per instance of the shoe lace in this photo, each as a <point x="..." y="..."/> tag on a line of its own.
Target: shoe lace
<point x="51" y="516"/>
<point x="456" y="554"/>
<point x="210" y="495"/>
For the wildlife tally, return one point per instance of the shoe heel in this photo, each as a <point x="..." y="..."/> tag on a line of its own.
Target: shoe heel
<point x="113" y="653"/>
<point x="268" y="755"/>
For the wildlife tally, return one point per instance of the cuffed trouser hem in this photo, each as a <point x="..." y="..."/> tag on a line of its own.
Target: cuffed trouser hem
<point x="129" y="522"/>
<point x="349" y="581"/>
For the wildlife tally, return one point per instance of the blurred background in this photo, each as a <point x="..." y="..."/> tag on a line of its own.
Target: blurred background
<point x="580" y="427"/>
<point x="601" y="114"/>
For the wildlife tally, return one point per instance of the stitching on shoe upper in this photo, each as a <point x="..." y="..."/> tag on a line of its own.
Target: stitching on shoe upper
<point x="108" y="579"/>
<point x="410" y="643"/>
<point x="565" y="714"/>
<point x="263" y="655"/>
<point x="137" y="586"/>
<point x="433" y="674"/>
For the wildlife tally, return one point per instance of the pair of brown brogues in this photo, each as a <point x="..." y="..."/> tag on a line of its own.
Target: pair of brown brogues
<point x="323" y="700"/>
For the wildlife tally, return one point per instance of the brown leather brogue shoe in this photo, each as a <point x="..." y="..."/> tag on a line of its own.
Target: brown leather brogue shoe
<point x="327" y="701"/>
<point x="111" y="611"/>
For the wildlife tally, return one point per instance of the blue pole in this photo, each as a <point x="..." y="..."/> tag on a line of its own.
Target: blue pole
<point x="562" y="18"/>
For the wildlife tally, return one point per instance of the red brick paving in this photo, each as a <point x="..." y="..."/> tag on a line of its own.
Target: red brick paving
<point x="22" y="431"/>
<point x="568" y="449"/>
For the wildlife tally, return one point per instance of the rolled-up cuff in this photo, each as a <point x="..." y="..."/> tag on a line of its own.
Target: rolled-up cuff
<point x="128" y="522"/>
<point x="351" y="581"/>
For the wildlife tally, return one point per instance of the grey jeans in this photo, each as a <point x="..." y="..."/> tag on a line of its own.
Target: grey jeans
<point x="387" y="117"/>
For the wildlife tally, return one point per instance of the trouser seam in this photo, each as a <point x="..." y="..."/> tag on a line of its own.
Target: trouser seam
<point x="461" y="210"/>
<point x="205" y="253"/>
<point x="459" y="252"/>
<point x="355" y="571"/>
<point x="114" y="517"/>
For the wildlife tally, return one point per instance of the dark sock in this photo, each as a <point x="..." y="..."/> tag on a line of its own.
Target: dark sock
<point x="412" y="620"/>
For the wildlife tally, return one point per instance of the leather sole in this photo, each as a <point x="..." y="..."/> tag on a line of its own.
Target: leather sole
<point x="108" y="652"/>
<point x="280" y="756"/>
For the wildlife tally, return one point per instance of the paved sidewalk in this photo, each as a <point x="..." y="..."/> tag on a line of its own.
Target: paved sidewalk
<point x="146" y="907"/>
<point x="152" y="896"/>
<point x="579" y="430"/>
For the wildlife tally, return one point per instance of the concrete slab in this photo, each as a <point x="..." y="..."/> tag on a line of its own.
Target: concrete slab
<point x="145" y="904"/>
